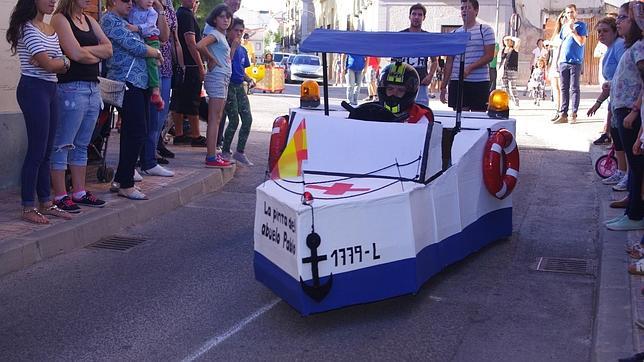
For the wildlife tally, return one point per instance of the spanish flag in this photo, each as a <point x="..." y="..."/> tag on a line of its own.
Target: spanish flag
<point x="289" y="164"/>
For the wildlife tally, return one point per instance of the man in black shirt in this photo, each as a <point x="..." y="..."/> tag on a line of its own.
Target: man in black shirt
<point x="186" y="98"/>
<point x="416" y="17"/>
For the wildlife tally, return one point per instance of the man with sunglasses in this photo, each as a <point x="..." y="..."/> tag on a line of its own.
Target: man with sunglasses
<point x="573" y="35"/>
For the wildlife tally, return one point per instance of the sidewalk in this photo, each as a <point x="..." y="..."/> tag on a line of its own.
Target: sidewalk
<point x="23" y="244"/>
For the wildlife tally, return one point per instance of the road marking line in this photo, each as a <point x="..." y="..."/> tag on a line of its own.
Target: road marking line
<point x="216" y="340"/>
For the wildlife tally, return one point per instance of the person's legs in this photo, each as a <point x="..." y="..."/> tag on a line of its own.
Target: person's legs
<point x="73" y="100"/>
<point x="155" y="124"/>
<point x="575" y="92"/>
<point x="358" y="86"/>
<point x="134" y="115"/>
<point x="89" y="106"/>
<point x="351" y="79"/>
<point x="215" y="110"/>
<point x="232" y="111"/>
<point x="512" y="87"/>
<point x="564" y="78"/>
<point x="37" y="101"/>
<point x="246" y="121"/>
<point x="635" y="208"/>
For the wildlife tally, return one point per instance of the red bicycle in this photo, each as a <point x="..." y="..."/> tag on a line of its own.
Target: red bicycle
<point x="606" y="165"/>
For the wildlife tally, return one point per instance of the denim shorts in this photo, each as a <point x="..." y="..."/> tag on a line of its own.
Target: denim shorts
<point x="78" y="106"/>
<point x="216" y="85"/>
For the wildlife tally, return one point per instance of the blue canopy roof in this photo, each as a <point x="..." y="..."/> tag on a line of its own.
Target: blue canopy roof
<point x="385" y="44"/>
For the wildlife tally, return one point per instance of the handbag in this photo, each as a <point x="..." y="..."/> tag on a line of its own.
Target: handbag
<point x="113" y="91"/>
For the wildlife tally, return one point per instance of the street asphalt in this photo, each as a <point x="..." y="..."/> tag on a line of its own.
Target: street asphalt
<point x="188" y="292"/>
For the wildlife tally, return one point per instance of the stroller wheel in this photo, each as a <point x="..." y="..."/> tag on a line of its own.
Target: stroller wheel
<point x="109" y="174"/>
<point x="104" y="174"/>
<point x="100" y="174"/>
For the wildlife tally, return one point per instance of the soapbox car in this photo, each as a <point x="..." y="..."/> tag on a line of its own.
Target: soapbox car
<point x="354" y="211"/>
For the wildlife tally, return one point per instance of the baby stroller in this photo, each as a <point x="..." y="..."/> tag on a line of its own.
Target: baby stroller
<point x="97" y="148"/>
<point x="537" y="86"/>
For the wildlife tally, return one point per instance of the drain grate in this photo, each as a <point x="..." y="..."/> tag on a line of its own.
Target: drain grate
<point x="117" y="243"/>
<point x="565" y="265"/>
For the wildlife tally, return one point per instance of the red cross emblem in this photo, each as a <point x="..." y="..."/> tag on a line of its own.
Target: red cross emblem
<point x="338" y="188"/>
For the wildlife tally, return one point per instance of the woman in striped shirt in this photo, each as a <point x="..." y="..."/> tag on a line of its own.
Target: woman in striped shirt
<point x="41" y="59"/>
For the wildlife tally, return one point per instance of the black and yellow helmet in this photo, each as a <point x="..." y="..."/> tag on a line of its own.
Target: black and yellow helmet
<point x="398" y="73"/>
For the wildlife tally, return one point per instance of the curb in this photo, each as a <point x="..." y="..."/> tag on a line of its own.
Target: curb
<point x="20" y="252"/>
<point x="613" y="334"/>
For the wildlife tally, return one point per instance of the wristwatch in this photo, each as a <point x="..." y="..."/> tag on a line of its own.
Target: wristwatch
<point x="162" y="12"/>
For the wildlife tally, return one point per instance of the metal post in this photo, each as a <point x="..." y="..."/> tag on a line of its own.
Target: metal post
<point x="325" y="84"/>
<point x="459" y="94"/>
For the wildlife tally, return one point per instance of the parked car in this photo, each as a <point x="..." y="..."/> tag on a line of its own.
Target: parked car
<point x="286" y="64"/>
<point x="278" y="56"/>
<point x="305" y="67"/>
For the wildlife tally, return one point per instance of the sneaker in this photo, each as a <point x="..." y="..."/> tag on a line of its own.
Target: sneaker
<point x="432" y="95"/>
<point x="115" y="187"/>
<point x="614" y="178"/>
<point x="198" y="142"/>
<point x="137" y="176"/>
<point x="241" y="158"/>
<point x="158" y="170"/>
<point x="615" y="219"/>
<point x="573" y="120"/>
<point x="555" y="117"/>
<point x="89" y="200"/>
<point x="602" y="140"/>
<point x="217" y="162"/>
<point x="563" y="118"/>
<point x="622" y="185"/>
<point x="227" y="156"/>
<point x="181" y="140"/>
<point x="625" y="224"/>
<point x="66" y="204"/>
<point x="162" y="161"/>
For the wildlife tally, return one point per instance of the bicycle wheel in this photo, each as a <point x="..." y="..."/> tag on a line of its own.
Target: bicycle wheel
<point x="606" y="166"/>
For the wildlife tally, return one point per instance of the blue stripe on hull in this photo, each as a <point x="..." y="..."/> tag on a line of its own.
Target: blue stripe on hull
<point x="391" y="279"/>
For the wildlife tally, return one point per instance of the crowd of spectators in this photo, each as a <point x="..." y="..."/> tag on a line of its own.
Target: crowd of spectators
<point x="152" y="49"/>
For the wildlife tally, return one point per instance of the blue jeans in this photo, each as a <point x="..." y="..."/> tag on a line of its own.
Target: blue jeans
<point x="37" y="100"/>
<point x="569" y="78"/>
<point x="422" y="97"/>
<point x="78" y="106"/>
<point x="635" y="208"/>
<point x="354" y="82"/>
<point x="134" y="120"/>
<point x="155" y="125"/>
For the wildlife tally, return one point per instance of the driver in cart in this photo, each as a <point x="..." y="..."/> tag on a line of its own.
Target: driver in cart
<point x="397" y="90"/>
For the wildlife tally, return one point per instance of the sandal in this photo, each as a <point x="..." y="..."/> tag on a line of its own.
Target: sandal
<point x="636" y="268"/>
<point x="34" y="216"/>
<point x="55" y="211"/>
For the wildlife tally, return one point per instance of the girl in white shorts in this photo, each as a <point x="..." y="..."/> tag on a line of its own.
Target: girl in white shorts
<point x="215" y="49"/>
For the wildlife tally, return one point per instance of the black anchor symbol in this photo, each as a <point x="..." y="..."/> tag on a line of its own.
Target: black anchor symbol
<point x="317" y="291"/>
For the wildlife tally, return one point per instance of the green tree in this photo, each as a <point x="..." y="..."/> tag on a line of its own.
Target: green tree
<point x="205" y="7"/>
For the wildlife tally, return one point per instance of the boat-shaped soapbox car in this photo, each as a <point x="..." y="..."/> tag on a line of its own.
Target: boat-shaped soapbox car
<point x="356" y="211"/>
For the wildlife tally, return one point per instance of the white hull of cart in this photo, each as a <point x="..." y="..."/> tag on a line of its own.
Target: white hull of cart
<point x="384" y="233"/>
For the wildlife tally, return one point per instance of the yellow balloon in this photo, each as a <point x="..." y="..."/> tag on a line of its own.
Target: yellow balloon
<point x="257" y="72"/>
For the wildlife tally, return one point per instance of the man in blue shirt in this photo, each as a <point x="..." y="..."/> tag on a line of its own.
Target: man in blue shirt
<point x="573" y="36"/>
<point x="237" y="102"/>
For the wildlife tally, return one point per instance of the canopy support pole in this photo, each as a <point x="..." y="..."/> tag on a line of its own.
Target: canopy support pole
<point x="459" y="94"/>
<point x="325" y="84"/>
